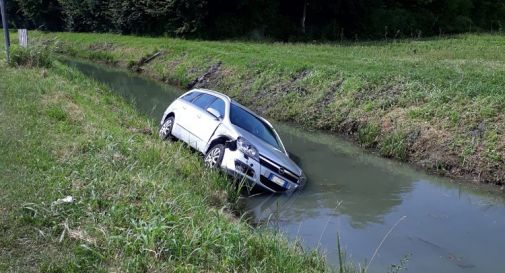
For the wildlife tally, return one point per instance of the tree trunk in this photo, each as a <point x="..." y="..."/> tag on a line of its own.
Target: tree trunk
<point x="304" y="16"/>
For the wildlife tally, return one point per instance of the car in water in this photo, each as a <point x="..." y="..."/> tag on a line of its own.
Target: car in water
<point x="232" y="138"/>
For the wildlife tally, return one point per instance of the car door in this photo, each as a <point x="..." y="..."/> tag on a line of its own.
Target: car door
<point x="204" y="123"/>
<point x="184" y="110"/>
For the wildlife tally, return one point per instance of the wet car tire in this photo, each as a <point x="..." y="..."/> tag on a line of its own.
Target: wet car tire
<point x="165" y="130"/>
<point x="214" y="156"/>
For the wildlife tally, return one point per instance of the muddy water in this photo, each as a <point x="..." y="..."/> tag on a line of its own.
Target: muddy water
<point x="443" y="226"/>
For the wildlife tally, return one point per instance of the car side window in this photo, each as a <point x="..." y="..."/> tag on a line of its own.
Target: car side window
<point x="190" y="96"/>
<point x="218" y="104"/>
<point x="204" y="100"/>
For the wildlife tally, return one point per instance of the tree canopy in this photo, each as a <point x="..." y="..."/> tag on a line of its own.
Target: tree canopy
<point x="259" y="19"/>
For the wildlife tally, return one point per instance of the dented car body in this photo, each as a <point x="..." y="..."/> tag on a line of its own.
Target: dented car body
<point x="232" y="138"/>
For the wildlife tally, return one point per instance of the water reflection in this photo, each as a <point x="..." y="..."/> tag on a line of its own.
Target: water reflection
<point x="358" y="196"/>
<point x="358" y="186"/>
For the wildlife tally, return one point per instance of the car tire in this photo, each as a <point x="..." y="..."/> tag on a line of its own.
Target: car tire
<point x="165" y="130"/>
<point x="214" y="156"/>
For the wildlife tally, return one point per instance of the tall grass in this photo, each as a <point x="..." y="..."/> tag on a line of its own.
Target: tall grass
<point x="34" y="56"/>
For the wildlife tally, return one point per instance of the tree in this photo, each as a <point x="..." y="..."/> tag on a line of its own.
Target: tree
<point x="86" y="15"/>
<point x="174" y="17"/>
<point x="40" y="14"/>
<point x="263" y="19"/>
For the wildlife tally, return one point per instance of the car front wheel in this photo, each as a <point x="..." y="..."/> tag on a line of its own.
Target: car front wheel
<point x="214" y="156"/>
<point x="165" y="131"/>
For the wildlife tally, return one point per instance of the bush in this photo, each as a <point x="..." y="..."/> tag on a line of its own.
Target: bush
<point x="31" y="57"/>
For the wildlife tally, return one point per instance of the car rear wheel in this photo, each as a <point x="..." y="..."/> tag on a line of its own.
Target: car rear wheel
<point x="165" y="131"/>
<point x="214" y="156"/>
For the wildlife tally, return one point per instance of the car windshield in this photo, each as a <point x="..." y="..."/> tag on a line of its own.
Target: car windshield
<point x="247" y="121"/>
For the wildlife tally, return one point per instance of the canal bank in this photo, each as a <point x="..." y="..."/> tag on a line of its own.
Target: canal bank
<point x="437" y="103"/>
<point x="449" y="227"/>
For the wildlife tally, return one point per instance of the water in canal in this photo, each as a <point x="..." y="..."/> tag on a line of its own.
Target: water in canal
<point x="449" y="227"/>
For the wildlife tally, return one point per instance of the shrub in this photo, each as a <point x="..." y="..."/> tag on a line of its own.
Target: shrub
<point x="35" y="56"/>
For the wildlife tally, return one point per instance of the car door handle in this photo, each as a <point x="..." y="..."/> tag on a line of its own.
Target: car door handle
<point x="184" y="107"/>
<point x="199" y="116"/>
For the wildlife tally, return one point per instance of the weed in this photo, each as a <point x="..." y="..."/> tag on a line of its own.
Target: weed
<point x="33" y="56"/>
<point x="101" y="56"/>
<point x="368" y="135"/>
<point x="394" y="145"/>
<point x="343" y="265"/>
<point x="57" y="112"/>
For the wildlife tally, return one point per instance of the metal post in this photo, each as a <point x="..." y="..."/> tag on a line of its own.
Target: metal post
<point x="6" y="28"/>
<point x="23" y="37"/>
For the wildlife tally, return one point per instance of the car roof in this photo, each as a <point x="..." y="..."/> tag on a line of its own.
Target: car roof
<point x="229" y="100"/>
<point x="215" y="93"/>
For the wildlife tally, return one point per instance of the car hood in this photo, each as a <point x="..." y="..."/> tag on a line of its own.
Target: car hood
<point x="271" y="153"/>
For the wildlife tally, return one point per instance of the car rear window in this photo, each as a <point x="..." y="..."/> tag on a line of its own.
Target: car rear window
<point x="190" y="96"/>
<point x="204" y="100"/>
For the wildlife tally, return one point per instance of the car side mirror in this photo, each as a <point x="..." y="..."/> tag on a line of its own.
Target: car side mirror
<point x="214" y="112"/>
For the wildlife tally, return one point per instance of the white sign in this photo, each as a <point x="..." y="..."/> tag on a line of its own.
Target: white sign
<point x="23" y="37"/>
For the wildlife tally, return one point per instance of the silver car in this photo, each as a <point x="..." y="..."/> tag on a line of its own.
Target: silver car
<point x="232" y="138"/>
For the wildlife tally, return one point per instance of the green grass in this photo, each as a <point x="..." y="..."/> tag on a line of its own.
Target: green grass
<point x="445" y="97"/>
<point x="140" y="205"/>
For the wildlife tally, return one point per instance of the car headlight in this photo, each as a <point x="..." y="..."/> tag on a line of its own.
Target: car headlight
<point x="247" y="148"/>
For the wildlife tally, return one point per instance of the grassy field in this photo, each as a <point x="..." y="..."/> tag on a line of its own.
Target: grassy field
<point x="137" y="204"/>
<point x="438" y="104"/>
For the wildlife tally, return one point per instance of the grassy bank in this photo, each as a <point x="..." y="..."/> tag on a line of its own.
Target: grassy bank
<point x="138" y="204"/>
<point x="438" y="104"/>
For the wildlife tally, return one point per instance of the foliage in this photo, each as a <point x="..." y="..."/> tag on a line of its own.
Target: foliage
<point x="264" y="19"/>
<point x="178" y="18"/>
<point x="38" y="14"/>
<point x="87" y="15"/>
<point x="368" y="135"/>
<point x="395" y="146"/>
<point x="34" y="56"/>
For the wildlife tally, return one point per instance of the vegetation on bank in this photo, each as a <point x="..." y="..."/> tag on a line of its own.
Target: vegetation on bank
<point x="87" y="187"/>
<point x="436" y="103"/>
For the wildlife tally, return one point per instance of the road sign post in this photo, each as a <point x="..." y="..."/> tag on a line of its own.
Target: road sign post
<point x="23" y="37"/>
<point x="3" y="12"/>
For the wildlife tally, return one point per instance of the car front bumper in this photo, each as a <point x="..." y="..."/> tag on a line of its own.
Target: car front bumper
<point x="238" y="165"/>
